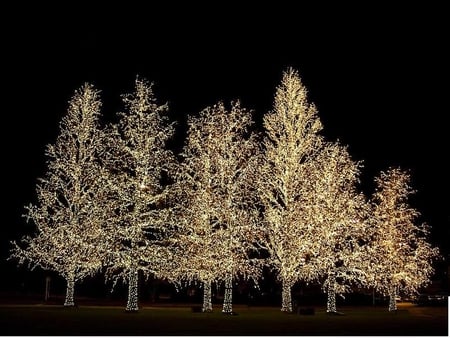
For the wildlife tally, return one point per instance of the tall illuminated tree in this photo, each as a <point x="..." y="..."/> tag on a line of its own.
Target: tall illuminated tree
<point x="197" y="242"/>
<point x="338" y="212"/>
<point x="234" y="157"/>
<point x="217" y="211"/>
<point x="401" y="255"/>
<point x="291" y="142"/>
<point x="138" y="162"/>
<point x="68" y="214"/>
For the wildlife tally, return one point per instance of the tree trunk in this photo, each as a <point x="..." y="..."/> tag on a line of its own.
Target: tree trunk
<point x="286" y="300"/>
<point x="392" y="300"/>
<point x="207" y="304"/>
<point x="132" y="303"/>
<point x="228" y="296"/>
<point x="70" y="290"/>
<point x="331" y="294"/>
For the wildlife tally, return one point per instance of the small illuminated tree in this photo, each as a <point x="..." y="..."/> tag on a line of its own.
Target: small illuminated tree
<point x="217" y="211"/>
<point x="401" y="255"/>
<point x="338" y="212"/>
<point x="291" y="142"/>
<point x="138" y="162"/>
<point x="68" y="214"/>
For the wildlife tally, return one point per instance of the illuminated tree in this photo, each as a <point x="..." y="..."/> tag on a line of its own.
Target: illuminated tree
<point x="217" y="220"/>
<point x="67" y="215"/>
<point x="291" y="143"/>
<point x="138" y="162"/>
<point x="338" y="212"/>
<point x="401" y="255"/>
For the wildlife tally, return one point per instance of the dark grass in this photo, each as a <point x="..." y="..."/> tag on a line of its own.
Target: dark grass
<point x="90" y="320"/>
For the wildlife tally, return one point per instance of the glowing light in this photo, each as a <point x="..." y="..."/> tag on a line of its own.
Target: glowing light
<point x="103" y="203"/>
<point x="286" y="298"/>
<point x="228" y="295"/>
<point x="393" y="299"/>
<point x="331" y="295"/>
<point x="338" y="212"/>
<point x="135" y="156"/>
<point x="400" y="256"/>
<point x="67" y="215"/>
<point x="291" y="142"/>
<point x="207" y="303"/>
<point x="69" y="301"/>
<point x="215" y="218"/>
<point x="132" y="302"/>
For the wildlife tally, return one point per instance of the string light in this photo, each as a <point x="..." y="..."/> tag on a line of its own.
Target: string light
<point x="102" y="203"/>
<point x="214" y="200"/>
<point x="207" y="302"/>
<point x="69" y="301"/>
<point x="400" y="255"/>
<point x="66" y="216"/>
<point x="331" y="299"/>
<point x="132" y="302"/>
<point x="228" y="295"/>
<point x="134" y="153"/>
<point x="291" y="142"/>
<point x="286" y="298"/>
<point x="338" y="212"/>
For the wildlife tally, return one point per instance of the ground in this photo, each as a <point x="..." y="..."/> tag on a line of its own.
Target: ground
<point x="409" y="320"/>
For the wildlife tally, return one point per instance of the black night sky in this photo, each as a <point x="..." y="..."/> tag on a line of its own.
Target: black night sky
<point x="379" y="76"/>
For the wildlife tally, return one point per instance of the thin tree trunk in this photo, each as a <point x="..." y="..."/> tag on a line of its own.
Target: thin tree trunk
<point x="228" y="296"/>
<point x="286" y="299"/>
<point x="70" y="290"/>
<point x="331" y="294"/>
<point x="392" y="300"/>
<point x="207" y="304"/>
<point x="132" y="303"/>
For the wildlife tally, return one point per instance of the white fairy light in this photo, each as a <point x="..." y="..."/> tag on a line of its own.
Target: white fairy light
<point x="132" y="302"/>
<point x="401" y="257"/>
<point x="102" y="203"/>
<point x="136" y="157"/>
<point x="338" y="212"/>
<point x="215" y="202"/>
<point x="68" y="213"/>
<point x="207" y="302"/>
<point x="331" y="299"/>
<point x="291" y="142"/>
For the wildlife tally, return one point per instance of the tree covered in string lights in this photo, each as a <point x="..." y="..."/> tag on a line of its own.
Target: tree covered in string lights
<point x="106" y="201"/>
<point x="67" y="214"/>
<point x="197" y="241"/>
<point x="216" y="217"/>
<point x="401" y="255"/>
<point x="291" y="143"/>
<point x="138" y="162"/>
<point x="338" y="212"/>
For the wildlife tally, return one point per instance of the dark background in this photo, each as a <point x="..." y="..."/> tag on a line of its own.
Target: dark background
<point x="378" y="74"/>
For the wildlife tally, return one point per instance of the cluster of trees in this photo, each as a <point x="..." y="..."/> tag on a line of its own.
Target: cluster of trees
<point x="115" y="199"/>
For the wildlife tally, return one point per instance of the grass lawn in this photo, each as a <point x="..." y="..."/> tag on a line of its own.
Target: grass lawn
<point x="90" y="320"/>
